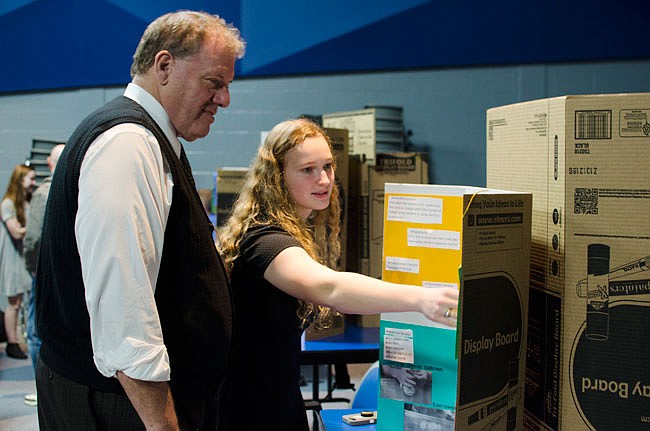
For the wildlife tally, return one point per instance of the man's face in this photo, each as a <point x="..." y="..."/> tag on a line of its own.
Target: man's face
<point x="197" y="87"/>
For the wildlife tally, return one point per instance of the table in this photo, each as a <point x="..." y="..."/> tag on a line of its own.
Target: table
<point x="333" y="422"/>
<point x="357" y="345"/>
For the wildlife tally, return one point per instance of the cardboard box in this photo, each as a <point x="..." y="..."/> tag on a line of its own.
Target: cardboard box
<point x="586" y="160"/>
<point x="336" y="327"/>
<point x="229" y="183"/>
<point x="366" y="209"/>
<point x="470" y="378"/>
<point x="372" y="130"/>
<point x="363" y="320"/>
<point x="366" y="204"/>
<point x="340" y="141"/>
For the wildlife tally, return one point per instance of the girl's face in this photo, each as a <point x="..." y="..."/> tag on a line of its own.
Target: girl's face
<point x="29" y="182"/>
<point x="309" y="175"/>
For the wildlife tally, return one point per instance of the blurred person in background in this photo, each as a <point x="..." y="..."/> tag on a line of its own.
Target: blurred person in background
<point x="14" y="278"/>
<point x="31" y="246"/>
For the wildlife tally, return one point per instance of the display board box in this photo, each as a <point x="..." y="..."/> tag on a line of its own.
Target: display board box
<point x="586" y="160"/>
<point x="477" y="240"/>
<point x="372" y="130"/>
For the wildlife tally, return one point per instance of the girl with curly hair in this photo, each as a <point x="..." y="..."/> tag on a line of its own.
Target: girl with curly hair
<point x="281" y="247"/>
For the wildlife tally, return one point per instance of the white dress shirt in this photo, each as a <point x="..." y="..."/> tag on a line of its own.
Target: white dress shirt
<point x="125" y="193"/>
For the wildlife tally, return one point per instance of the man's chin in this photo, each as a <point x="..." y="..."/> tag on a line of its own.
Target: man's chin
<point x="195" y="134"/>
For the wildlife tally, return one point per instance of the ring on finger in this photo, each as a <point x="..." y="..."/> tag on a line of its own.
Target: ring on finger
<point x="448" y="314"/>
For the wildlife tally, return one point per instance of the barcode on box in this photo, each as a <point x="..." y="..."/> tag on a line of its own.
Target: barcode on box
<point x="594" y="124"/>
<point x="585" y="201"/>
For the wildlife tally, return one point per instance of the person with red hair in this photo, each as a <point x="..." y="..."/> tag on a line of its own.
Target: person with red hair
<point x="14" y="278"/>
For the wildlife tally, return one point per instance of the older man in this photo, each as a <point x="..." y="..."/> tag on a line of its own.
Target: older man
<point x="133" y="304"/>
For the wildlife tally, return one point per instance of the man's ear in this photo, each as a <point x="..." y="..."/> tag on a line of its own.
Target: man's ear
<point x="163" y="63"/>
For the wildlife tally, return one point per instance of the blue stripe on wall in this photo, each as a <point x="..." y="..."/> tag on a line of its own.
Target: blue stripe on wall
<point x="468" y="33"/>
<point x="54" y="44"/>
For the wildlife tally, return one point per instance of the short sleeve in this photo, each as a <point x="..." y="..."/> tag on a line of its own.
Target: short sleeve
<point x="7" y="210"/>
<point x="261" y="246"/>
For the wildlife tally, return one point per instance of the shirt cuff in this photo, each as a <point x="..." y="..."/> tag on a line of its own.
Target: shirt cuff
<point x="137" y="360"/>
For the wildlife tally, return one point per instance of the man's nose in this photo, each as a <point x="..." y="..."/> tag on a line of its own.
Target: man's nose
<point x="222" y="97"/>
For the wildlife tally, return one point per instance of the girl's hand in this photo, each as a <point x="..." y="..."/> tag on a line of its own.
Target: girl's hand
<point x="440" y="304"/>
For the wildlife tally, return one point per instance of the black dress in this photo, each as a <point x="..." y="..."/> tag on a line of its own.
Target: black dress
<point x="263" y="391"/>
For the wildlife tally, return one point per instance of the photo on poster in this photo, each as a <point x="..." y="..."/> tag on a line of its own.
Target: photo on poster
<point x="420" y="418"/>
<point x="406" y="384"/>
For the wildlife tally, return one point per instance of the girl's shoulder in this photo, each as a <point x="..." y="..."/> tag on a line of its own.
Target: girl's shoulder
<point x="270" y="233"/>
<point x="257" y="231"/>
<point x="7" y="206"/>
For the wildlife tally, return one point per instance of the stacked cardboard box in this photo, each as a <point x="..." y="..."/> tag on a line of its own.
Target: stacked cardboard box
<point x="372" y="130"/>
<point x="229" y="183"/>
<point x="586" y="160"/>
<point x="339" y="140"/>
<point x="366" y="204"/>
<point x="477" y="240"/>
<point x="366" y="210"/>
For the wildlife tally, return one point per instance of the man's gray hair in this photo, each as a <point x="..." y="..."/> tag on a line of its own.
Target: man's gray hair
<point x="182" y="33"/>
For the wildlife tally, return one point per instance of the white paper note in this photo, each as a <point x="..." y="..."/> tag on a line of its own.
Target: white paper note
<point x="402" y="264"/>
<point x="398" y="345"/>
<point x="431" y="238"/>
<point x="414" y="209"/>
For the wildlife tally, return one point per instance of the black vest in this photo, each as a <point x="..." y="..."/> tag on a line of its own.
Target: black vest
<point x="192" y="292"/>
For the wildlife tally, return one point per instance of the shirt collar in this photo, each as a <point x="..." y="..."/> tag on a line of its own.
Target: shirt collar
<point x="157" y="112"/>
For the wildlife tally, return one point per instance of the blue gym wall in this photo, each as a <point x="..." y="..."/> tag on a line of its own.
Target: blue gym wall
<point x="444" y="62"/>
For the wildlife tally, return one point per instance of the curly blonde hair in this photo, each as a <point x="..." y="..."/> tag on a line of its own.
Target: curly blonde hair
<point x="265" y="200"/>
